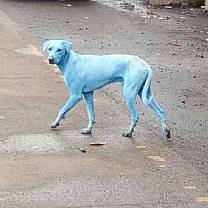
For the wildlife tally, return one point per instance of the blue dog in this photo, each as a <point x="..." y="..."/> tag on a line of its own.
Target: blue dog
<point x="86" y="73"/>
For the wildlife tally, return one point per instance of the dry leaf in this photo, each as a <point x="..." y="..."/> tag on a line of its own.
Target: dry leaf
<point x="203" y="199"/>
<point x="97" y="143"/>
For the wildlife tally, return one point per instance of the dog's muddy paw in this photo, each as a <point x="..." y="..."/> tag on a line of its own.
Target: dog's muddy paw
<point x="167" y="133"/>
<point x="54" y="125"/>
<point x="85" y="131"/>
<point x="127" y="134"/>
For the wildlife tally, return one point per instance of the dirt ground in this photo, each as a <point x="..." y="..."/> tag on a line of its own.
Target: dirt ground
<point x="43" y="168"/>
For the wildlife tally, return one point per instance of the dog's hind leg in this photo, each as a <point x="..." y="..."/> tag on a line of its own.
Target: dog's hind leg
<point x="130" y="97"/>
<point x="159" y="112"/>
<point x="88" y="96"/>
<point x="73" y="100"/>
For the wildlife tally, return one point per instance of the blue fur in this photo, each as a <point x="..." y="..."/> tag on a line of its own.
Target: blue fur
<point x="86" y="73"/>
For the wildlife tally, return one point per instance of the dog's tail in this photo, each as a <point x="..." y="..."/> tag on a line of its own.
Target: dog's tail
<point x="146" y="91"/>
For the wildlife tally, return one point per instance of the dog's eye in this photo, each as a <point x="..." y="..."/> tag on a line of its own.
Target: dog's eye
<point x="59" y="50"/>
<point x="50" y="49"/>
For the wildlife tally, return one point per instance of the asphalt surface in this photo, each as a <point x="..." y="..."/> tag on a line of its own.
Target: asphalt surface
<point x="45" y="168"/>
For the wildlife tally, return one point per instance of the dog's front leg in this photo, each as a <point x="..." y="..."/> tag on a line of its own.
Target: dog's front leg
<point x="73" y="100"/>
<point x="88" y="96"/>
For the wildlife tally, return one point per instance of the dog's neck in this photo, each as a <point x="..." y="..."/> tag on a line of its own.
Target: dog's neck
<point x="65" y="61"/>
<point x="62" y="64"/>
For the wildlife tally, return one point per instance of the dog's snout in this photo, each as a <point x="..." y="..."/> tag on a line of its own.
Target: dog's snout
<point x="51" y="61"/>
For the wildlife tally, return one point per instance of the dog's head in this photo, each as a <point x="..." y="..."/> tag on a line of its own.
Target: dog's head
<point x="57" y="50"/>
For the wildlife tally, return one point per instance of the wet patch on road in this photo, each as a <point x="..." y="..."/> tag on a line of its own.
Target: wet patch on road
<point x="30" y="50"/>
<point x="63" y="141"/>
<point x="125" y="5"/>
<point x="31" y="144"/>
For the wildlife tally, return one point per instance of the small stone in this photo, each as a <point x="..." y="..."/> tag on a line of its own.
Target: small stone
<point x="199" y="56"/>
<point x="162" y="18"/>
<point x="168" y="7"/>
<point x="142" y="147"/>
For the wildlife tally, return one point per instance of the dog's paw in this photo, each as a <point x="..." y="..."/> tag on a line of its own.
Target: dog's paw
<point x="54" y="125"/>
<point x="127" y="134"/>
<point x="167" y="133"/>
<point x="85" y="131"/>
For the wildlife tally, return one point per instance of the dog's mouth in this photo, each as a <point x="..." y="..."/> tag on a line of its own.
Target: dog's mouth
<point x="51" y="61"/>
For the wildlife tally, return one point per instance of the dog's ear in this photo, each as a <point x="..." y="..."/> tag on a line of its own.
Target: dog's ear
<point x="46" y="45"/>
<point x="67" y="45"/>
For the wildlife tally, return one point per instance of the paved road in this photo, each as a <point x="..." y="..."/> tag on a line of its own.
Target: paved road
<point x="44" y="168"/>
